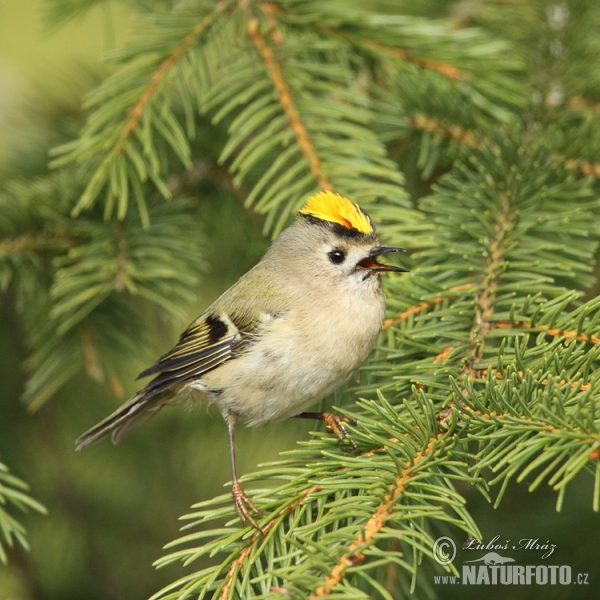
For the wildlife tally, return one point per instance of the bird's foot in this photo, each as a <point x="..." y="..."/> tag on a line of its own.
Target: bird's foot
<point x="244" y="506"/>
<point x="335" y="424"/>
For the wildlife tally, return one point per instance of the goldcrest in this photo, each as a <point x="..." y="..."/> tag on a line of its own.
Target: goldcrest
<point x="285" y="335"/>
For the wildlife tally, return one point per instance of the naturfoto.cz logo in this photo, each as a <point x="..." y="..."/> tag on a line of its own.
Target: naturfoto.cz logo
<point x="496" y="569"/>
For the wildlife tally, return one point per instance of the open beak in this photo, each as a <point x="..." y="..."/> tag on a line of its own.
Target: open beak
<point x="370" y="263"/>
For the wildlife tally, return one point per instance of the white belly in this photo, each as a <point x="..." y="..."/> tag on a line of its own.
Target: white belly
<point x="291" y="367"/>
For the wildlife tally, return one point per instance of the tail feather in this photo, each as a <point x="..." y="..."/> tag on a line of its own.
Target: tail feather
<point x="125" y="420"/>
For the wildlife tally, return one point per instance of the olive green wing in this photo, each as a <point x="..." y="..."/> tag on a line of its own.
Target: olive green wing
<point x="227" y="329"/>
<point x="209" y="341"/>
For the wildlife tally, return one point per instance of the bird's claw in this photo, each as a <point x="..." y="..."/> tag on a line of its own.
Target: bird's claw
<point x="336" y="425"/>
<point x="244" y="506"/>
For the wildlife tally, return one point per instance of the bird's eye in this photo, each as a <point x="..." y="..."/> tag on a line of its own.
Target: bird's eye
<point x="337" y="257"/>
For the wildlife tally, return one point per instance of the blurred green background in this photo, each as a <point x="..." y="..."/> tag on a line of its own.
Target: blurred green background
<point x="111" y="509"/>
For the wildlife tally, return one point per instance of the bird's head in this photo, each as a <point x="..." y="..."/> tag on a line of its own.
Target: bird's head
<point x="342" y="240"/>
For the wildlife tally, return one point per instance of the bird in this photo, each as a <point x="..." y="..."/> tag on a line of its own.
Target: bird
<point x="289" y="332"/>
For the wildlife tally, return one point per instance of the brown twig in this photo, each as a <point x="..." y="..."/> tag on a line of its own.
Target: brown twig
<point x="583" y="387"/>
<point x="577" y="104"/>
<point x="569" y="334"/>
<point x="269" y="10"/>
<point x="443" y="355"/>
<point x="455" y="132"/>
<point x="238" y="564"/>
<point x="354" y="553"/>
<point x="137" y="110"/>
<point x="432" y="125"/>
<point x="448" y="70"/>
<point x="483" y="300"/>
<point x="285" y="99"/>
<point x="31" y="243"/>
<point x="486" y="294"/>
<point x="584" y="167"/>
<point x="418" y="308"/>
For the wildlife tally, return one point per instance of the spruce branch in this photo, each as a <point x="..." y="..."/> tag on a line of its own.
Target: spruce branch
<point x="354" y="553"/>
<point x="445" y="68"/>
<point x="128" y="127"/>
<point x="91" y="310"/>
<point x="25" y="243"/>
<point x="284" y="97"/>
<point x="326" y="122"/>
<point x="397" y="485"/>
<point x="318" y="120"/>
<point x="433" y="126"/>
<point x="76" y="281"/>
<point x="465" y="138"/>
<point x="13" y="493"/>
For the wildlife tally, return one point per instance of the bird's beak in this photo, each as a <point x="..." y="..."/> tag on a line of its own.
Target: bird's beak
<point x="370" y="263"/>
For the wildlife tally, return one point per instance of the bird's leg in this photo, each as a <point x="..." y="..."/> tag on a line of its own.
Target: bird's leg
<point x="243" y="504"/>
<point x="334" y="423"/>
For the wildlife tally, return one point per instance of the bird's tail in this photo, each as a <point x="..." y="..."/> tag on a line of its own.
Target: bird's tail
<point x="125" y="420"/>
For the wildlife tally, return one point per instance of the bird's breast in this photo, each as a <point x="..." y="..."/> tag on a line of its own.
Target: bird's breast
<point x="299" y="357"/>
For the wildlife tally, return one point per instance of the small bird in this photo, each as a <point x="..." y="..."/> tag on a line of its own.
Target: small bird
<point x="285" y="335"/>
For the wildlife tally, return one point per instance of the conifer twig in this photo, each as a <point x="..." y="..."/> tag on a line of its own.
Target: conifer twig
<point x="353" y="555"/>
<point x="584" y="167"/>
<point x="569" y="334"/>
<point x="167" y="64"/>
<point x="31" y="243"/>
<point x="577" y="103"/>
<point x="582" y="386"/>
<point x="445" y="68"/>
<point x="238" y="564"/>
<point x="269" y="10"/>
<point x="285" y="99"/>
<point x="486" y="292"/>
<point x="502" y="418"/>
<point x="433" y="125"/>
<point x="425" y="305"/>
<point x="137" y="110"/>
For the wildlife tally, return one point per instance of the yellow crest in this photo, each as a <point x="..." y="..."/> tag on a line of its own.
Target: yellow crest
<point x="334" y="208"/>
